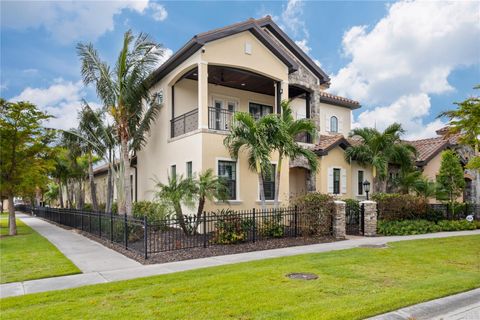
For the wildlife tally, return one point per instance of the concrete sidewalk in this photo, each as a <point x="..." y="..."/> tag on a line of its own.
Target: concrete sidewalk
<point x="462" y="306"/>
<point x="101" y="264"/>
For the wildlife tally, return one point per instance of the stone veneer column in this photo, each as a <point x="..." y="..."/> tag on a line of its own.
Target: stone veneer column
<point x="339" y="220"/>
<point x="370" y="218"/>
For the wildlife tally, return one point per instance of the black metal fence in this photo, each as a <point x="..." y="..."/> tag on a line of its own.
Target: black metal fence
<point x="354" y="218"/>
<point x="455" y="212"/>
<point x="215" y="228"/>
<point x="121" y="229"/>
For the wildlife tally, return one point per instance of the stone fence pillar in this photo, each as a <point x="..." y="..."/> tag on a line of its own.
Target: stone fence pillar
<point x="370" y="218"/>
<point x="339" y="220"/>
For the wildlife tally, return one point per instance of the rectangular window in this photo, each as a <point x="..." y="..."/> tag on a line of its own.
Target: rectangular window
<point x="360" y="182"/>
<point x="259" y="110"/>
<point x="173" y="171"/>
<point x="269" y="184"/>
<point x="336" y="181"/>
<point x="189" y="169"/>
<point x="227" y="170"/>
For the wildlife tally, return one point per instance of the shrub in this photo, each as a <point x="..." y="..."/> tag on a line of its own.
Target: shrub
<point x="408" y="227"/>
<point x="87" y="207"/>
<point x="155" y="212"/>
<point x="315" y="214"/>
<point x="272" y="227"/>
<point x="231" y="227"/>
<point x="456" y="225"/>
<point x="400" y="206"/>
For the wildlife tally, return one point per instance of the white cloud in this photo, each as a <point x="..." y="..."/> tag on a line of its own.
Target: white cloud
<point x="167" y="53"/>
<point x="62" y="100"/>
<point x="291" y="19"/>
<point x="407" y="56"/>
<point x="407" y="110"/>
<point x="303" y="45"/>
<point x="159" y="11"/>
<point x="67" y="21"/>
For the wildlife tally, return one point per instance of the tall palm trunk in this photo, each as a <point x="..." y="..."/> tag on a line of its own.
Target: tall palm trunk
<point x="69" y="195"/>
<point x="12" y="223"/>
<point x="108" y="204"/>
<point x="277" y="180"/>
<point x="127" y="187"/>
<point x="93" y="189"/>
<point x="60" y="193"/>
<point x="260" y="184"/>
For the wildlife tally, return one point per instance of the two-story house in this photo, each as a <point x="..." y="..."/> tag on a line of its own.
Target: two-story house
<point x="249" y="66"/>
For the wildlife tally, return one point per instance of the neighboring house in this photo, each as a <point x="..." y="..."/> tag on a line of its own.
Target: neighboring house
<point x="429" y="158"/>
<point x="249" y="66"/>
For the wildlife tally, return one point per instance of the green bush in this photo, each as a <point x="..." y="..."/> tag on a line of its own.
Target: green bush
<point x="394" y="206"/>
<point x="315" y="214"/>
<point x="155" y="212"/>
<point x="272" y="227"/>
<point x="456" y="225"/>
<point x="87" y="207"/>
<point x="409" y="227"/>
<point x="230" y="227"/>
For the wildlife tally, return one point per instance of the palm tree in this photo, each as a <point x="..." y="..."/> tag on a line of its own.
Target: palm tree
<point x="124" y="92"/>
<point x="207" y="187"/>
<point x="425" y="188"/>
<point x="406" y="180"/>
<point x="251" y="135"/>
<point x="88" y="128"/>
<point x="176" y="192"/>
<point x="285" y="132"/>
<point x="379" y="149"/>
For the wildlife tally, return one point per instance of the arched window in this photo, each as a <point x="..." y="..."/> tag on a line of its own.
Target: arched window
<point x="333" y="124"/>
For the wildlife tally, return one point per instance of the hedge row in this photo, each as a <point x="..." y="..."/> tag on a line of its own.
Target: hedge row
<point x="409" y="227"/>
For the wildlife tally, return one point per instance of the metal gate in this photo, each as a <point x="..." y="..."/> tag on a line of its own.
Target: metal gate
<point x="354" y="217"/>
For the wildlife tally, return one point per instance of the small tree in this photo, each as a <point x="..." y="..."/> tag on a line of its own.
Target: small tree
<point x="24" y="152"/>
<point x="176" y="192"/>
<point x="450" y="178"/>
<point x="207" y="187"/>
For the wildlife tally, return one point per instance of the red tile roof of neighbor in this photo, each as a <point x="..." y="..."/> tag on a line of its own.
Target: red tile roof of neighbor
<point x="328" y="97"/>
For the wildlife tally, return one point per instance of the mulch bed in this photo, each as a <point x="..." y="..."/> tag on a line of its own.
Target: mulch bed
<point x="211" y="251"/>
<point x="200" y="252"/>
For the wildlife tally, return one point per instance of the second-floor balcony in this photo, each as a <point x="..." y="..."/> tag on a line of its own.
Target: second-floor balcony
<point x="220" y="119"/>
<point x="184" y="123"/>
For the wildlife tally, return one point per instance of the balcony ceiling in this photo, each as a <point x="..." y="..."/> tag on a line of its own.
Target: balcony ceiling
<point x="237" y="79"/>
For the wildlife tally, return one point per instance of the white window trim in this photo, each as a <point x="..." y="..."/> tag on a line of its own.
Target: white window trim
<point x="258" y="186"/>
<point x="237" y="179"/>
<point x="186" y="172"/>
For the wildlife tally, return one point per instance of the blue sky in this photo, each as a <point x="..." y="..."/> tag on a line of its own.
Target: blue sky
<point x="404" y="61"/>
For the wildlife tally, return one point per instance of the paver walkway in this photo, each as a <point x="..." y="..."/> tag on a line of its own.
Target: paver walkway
<point x="462" y="306"/>
<point x="106" y="265"/>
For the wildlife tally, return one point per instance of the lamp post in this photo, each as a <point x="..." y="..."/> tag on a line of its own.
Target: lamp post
<point x="366" y="186"/>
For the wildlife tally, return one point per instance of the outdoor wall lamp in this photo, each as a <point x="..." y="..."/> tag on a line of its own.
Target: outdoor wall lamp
<point x="366" y="186"/>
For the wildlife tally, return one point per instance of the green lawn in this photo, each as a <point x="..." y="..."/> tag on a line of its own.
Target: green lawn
<point x="352" y="284"/>
<point x="28" y="255"/>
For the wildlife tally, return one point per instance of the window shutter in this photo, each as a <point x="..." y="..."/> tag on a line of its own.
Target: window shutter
<point x="343" y="181"/>
<point x="340" y="125"/>
<point x="327" y="123"/>
<point x="330" y="180"/>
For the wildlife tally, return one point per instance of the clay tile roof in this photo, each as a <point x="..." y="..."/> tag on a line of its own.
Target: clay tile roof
<point x="337" y="100"/>
<point x="327" y="143"/>
<point x="428" y="148"/>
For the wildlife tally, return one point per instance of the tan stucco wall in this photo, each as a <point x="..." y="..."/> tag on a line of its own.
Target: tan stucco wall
<point x="230" y="51"/>
<point x="242" y="97"/>
<point x="298" y="182"/>
<point x="344" y="116"/>
<point x="186" y="96"/>
<point x="433" y="167"/>
<point x="334" y="159"/>
<point x="367" y="175"/>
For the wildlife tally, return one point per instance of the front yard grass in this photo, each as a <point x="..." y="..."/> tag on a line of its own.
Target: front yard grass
<point x="352" y="284"/>
<point x="29" y="256"/>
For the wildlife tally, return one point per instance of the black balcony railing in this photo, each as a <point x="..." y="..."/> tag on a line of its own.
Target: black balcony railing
<point x="184" y="123"/>
<point x="220" y="119"/>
